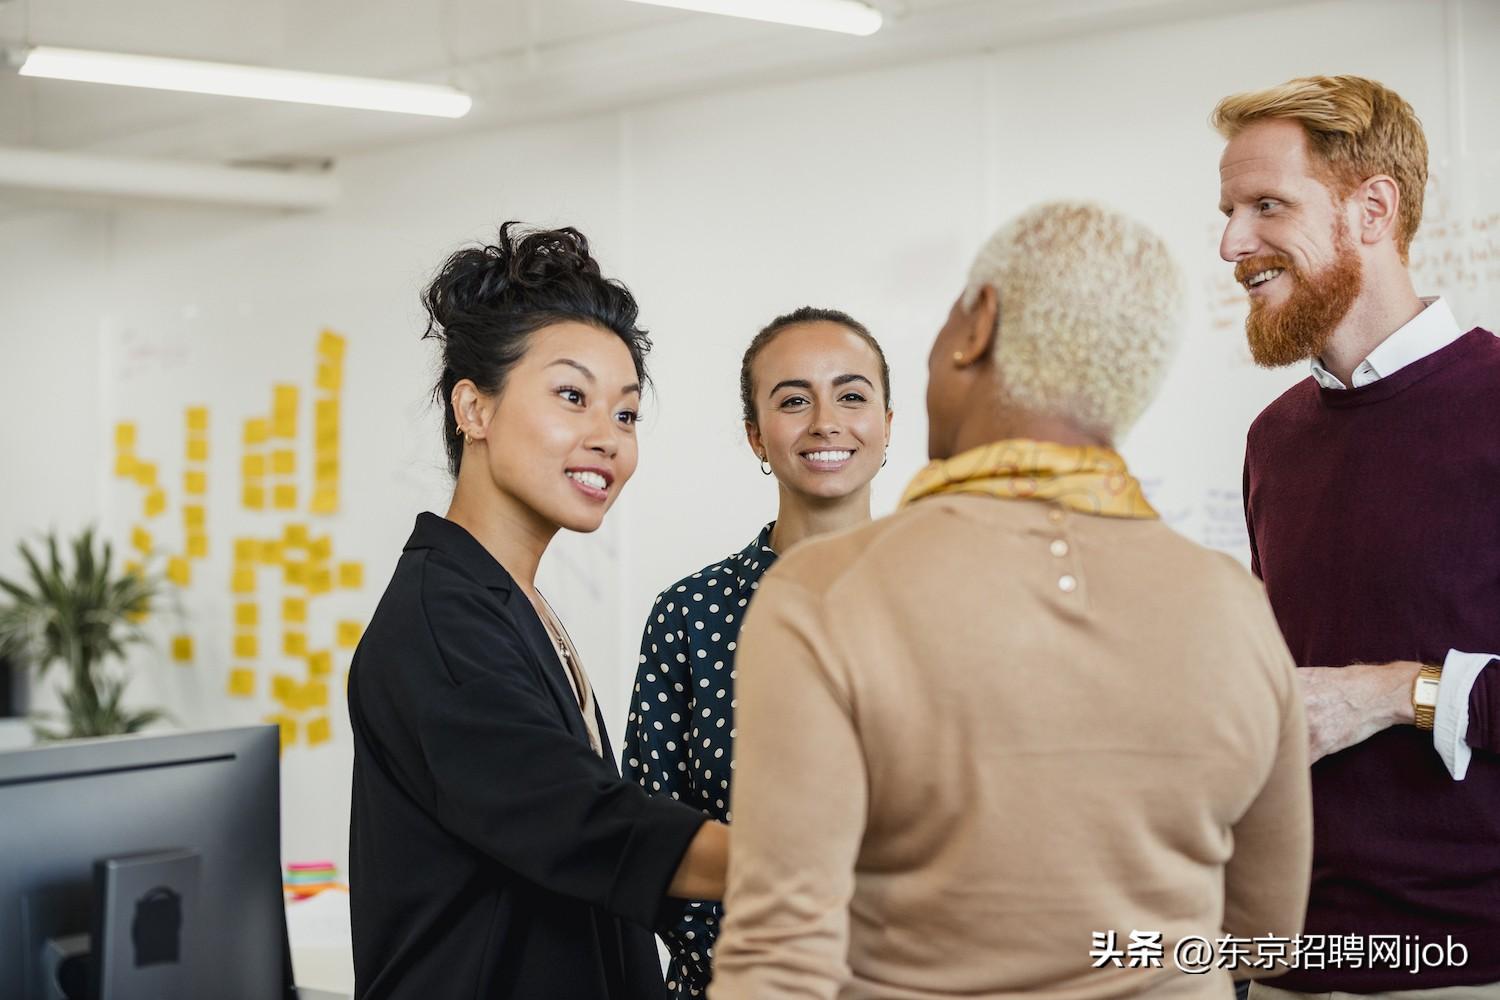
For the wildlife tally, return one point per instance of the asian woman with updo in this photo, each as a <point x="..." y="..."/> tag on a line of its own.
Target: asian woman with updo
<point x="495" y="851"/>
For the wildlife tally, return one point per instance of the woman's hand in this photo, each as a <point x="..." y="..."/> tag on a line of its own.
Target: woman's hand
<point x="702" y="870"/>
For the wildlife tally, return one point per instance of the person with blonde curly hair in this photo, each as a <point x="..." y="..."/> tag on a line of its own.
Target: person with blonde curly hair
<point x="1019" y="736"/>
<point x="1370" y="496"/>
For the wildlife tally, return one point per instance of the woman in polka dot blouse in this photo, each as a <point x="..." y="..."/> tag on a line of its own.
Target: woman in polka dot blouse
<point x="816" y="394"/>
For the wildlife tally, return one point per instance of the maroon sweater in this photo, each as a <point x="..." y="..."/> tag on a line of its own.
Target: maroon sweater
<point x="1374" y="518"/>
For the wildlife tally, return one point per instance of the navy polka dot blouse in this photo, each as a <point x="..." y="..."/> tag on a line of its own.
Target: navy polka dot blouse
<point x="681" y="724"/>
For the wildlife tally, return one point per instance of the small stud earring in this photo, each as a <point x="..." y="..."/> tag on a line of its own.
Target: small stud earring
<point x="958" y="357"/>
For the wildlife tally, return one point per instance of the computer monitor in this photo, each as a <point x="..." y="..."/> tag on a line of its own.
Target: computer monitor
<point x="157" y="855"/>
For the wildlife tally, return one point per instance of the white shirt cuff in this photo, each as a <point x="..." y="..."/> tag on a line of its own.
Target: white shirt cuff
<point x="1450" y="727"/>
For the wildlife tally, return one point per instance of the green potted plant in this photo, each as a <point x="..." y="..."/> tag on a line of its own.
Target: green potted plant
<point x="79" y="616"/>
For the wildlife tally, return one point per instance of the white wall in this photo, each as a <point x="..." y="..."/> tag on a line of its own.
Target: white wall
<point x="866" y="192"/>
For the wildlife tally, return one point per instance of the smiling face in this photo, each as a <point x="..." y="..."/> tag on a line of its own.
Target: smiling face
<point x="1288" y="238"/>
<point x="560" y="438"/>
<point x="822" y="418"/>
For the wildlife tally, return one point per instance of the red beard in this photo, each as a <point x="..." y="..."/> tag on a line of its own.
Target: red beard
<point x="1301" y="326"/>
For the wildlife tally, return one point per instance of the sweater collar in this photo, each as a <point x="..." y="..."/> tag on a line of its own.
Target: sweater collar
<point x="1432" y="329"/>
<point x="1462" y="349"/>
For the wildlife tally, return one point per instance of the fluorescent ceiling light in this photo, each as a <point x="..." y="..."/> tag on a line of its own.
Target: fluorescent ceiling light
<point x="849" y="16"/>
<point x="228" y="80"/>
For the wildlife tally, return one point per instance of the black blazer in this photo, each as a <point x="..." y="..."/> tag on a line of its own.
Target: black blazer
<point x="492" y="854"/>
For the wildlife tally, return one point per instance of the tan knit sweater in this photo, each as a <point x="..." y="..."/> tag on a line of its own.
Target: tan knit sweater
<point x="975" y="732"/>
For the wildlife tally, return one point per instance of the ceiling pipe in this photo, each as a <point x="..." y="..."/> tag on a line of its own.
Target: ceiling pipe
<point x="120" y="177"/>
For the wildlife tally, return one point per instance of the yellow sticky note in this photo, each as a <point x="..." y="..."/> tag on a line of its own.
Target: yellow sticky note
<point x="284" y="425"/>
<point x="293" y="609"/>
<point x="133" y="568"/>
<point x="319" y="731"/>
<point x="245" y="550"/>
<point x="125" y="466"/>
<point x="294" y="643"/>
<point x="182" y="648"/>
<point x="315" y="694"/>
<point x="330" y="344"/>
<point x="257" y="431"/>
<point x="125" y="436"/>
<point x="285" y="496"/>
<point x="195" y="482"/>
<point x="283" y="398"/>
<point x="330" y="377"/>
<point x="145" y="474"/>
<point x="194" y="515"/>
<point x="197" y="418"/>
<point x="320" y="549"/>
<point x="197" y="450"/>
<point x="294" y="574"/>
<point x="320" y="663"/>
<point x="326" y="468"/>
<point x="271" y="553"/>
<point x="141" y="539"/>
<point x="197" y="545"/>
<point x="326" y="414"/>
<point x="295" y="534"/>
<point x="254" y="497"/>
<point x="138" y="617"/>
<point x="351" y="575"/>
<point x="247" y="614"/>
<point x="284" y="688"/>
<point x="241" y="682"/>
<point x="324" y="501"/>
<point x="319" y="580"/>
<point x="246" y="646"/>
<point x="349" y="633"/>
<point x="179" y="571"/>
<point x="253" y="466"/>
<point x="155" y="503"/>
<point x="242" y="581"/>
<point x="283" y="461"/>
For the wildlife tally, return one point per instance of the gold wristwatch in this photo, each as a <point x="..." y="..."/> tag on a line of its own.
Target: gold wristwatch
<point x="1424" y="695"/>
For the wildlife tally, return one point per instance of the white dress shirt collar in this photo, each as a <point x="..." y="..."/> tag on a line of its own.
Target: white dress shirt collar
<point x="1429" y="330"/>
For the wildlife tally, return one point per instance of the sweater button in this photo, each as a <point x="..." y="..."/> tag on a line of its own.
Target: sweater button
<point x="1054" y="515"/>
<point x="1067" y="584"/>
<point x="1059" y="547"/>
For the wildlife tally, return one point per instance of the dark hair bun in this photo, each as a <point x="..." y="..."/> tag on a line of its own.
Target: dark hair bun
<point x="518" y="268"/>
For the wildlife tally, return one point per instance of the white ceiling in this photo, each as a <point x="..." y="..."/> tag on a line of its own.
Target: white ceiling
<point x="522" y="60"/>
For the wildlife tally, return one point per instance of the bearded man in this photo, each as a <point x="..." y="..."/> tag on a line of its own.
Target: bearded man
<point x="1372" y="495"/>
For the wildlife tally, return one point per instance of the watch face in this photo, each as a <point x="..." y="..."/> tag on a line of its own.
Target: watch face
<point x="1426" y="692"/>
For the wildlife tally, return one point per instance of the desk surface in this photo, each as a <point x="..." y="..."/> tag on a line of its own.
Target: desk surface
<point x="322" y="949"/>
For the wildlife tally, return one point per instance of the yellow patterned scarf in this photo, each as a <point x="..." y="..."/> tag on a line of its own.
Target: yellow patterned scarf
<point x="1086" y="479"/>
